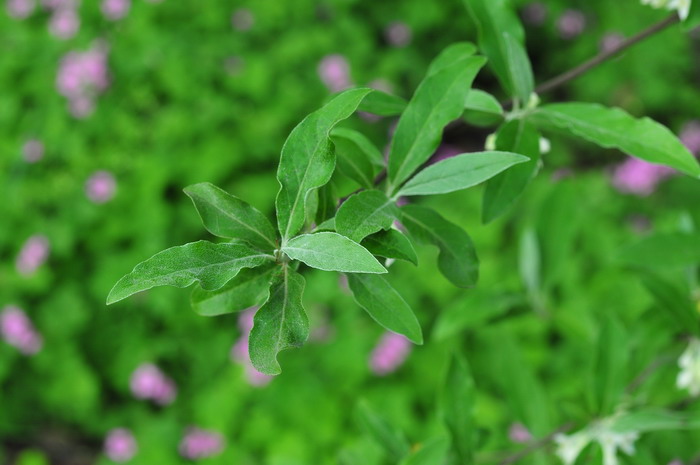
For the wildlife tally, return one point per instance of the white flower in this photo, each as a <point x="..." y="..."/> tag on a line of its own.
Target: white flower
<point x="682" y="6"/>
<point x="689" y="363"/>
<point x="545" y="145"/>
<point x="611" y="441"/>
<point x="570" y="447"/>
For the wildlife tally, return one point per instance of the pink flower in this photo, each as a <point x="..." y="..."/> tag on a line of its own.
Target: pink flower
<point x="199" y="444"/>
<point x="82" y="76"/>
<point x="389" y="354"/>
<point x="242" y="19"/>
<point x="120" y="445"/>
<point x="611" y="41"/>
<point x="690" y="136"/>
<point x="571" y="24"/>
<point x="64" y="23"/>
<point x="398" y="34"/>
<point x="20" y="9"/>
<point x="149" y="382"/>
<point x="114" y="10"/>
<point x="17" y="330"/>
<point x="334" y="71"/>
<point x="32" y="150"/>
<point x="535" y="13"/>
<point x="519" y="434"/>
<point x="240" y="354"/>
<point x="639" y="177"/>
<point x="100" y="187"/>
<point x="33" y="254"/>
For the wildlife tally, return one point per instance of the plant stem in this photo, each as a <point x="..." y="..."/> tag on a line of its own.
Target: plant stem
<point x="605" y="55"/>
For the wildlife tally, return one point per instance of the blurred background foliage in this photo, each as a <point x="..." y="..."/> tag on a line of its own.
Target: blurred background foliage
<point x="208" y="91"/>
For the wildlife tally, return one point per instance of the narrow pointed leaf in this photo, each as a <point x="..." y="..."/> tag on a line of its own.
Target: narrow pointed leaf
<point x="308" y="159"/>
<point x="460" y="172"/>
<point x="458" y="408"/>
<point x="519" y="68"/>
<point x="674" y="299"/>
<point x="281" y="323"/>
<point x="433" y="452"/>
<point x="393" y="441"/>
<point x="608" y="377"/>
<point x="457" y="259"/>
<point x="673" y="250"/>
<point x="332" y="252"/>
<point x="385" y="305"/>
<point x="503" y="190"/>
<point x="227" y="216"/>
<point x="383" y="104"/>
<point x="391" y="244"/>
<point x="365" y="213"/>
<point x="438" y="100"/>
<point x="482" y="108"/>
<point x="357" y="157"/>
<point x="654" y="419"/>
<point x="450" y="55"/>
<point x="212" y="265"/>
<point x="613" y="128"/>
<point x="249" y="288"/>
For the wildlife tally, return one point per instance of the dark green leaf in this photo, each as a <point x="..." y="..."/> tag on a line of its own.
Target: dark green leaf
<point x="358" y="158"/>
<point x="281" y="323"/>
<point x="474" y="311"/>
<point x="673" y="299"/>
<point x="457" y="259"/>
<point x="458" y="408"/>
<point x="482" y="109"/>
<point x="433" y="452"/>
<point x="212" y="265"/>
<point x="227" y="216"/>
<point x="332" y="252"/>
<point x="674" y="250"/>
<point x="609" y="375"/>
<point x="389" y="438"/>
<point x="365" y="213"/>
<point x="383" y="104"/>
<point x="385" y="305"/>
<point x="519" y="69"/>
<point x="391" y="244"/>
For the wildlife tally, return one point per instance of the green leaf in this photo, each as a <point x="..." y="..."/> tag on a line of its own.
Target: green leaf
<point x="383" y="104"/>
<point x="438" y="100"/>
<point x="653" y="419"/>
<point x="503" y="190"/>
<point x="365" y="213"/>
<point x="675" y="300"/>
<point x="358" y="158"/>
<point x="693" y="19"/>
<point x="433" y="452"/>
<point x="460" y="172"/>
<point x="473" y="311"/>
<point x="673" y="250"/>
<point x="457" y="259"/>
<point x="212" y="265"/>
<point x="227" y="216"/>
<point x="308" y="159"/>
<point x="281" y="323"/>
<point x="609" y="374"/>
<point x="385" y="305"/>
<point x="613" y="128"/>
<point x="249" y="288"/>
<point x="530" y="264"/>
<point x="458" y="408"/>
<point x="519" y="69"/>
<point x="327" y="203"/>
<point x="332" y="252"/>
<point x="391" y="244"/>
<point x="389" y="438"/>
<point x="482" y="109"/>
<point x="493" y="19"/>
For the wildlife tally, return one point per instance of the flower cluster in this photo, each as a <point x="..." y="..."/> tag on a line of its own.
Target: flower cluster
<point x="240" y="354"/>
<point x="114" y="10"/>
<point x="389" y="354"/>
<point x="334" y="71"/>
<point x="149" y="382"/>
<point x="82" y="76"/>
<point x="100" y="187"/>
<point x="689" y="363"/>
<point x="120" y="445"/>
<point x="17" y="330"/>
<point x="199" y="444"/>
<point x="33" y="254"/>
<point x="64" y="22"/>
<point x="569" y="447"/>
<point x="682" y="6"/>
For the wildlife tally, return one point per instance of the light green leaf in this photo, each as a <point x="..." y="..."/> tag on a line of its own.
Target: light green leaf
<point x="609" y="374"/>
<point x="281" y="323"/>
<point x="458" y="408"/>
<point x="385" y="305"/>
<point x="654" y="419"/>
<point x="308" y="159"/>
<point x="212" y="265"/>
<point x="482" y="108"/>
<point x="227" y="216"/>
<point x="365" y="213"/>
<point x="673" y="250"/>
<point x="451" y="54"/>
<point x="438" y="100"/>
<point x="385" y="435"/>
<point x="529" y="264"/>
<point x="475" y="310"/>
<point x="503" y="190"/>
<point x="460" y="172"/>
<point x="675" y="300"/>
<point x="494" y="18"/>
<point x="383" y="104"/>
<point x="332" y="252"/>
<point x="357" y="157"/>
<point x="433" y="452"/>
<point x="457" y="259"/>
<point x="519" y="69"/>
<point x="391" y="244"/>
<point x="613" y="128"/>
<point x="693" y="19"/>
<point x="249" y="288"/>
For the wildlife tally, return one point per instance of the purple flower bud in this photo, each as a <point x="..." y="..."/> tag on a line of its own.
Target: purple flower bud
<point x="334" y="71"/>
<point x="389" y="354"/>
<point x="120" y="445"/>
<point x="535" y="13"/>
<point x="639" y="177"/>
<point x="242" y="19"/>
<point x="20" y="9"/>
<point x="82" y="76"/>
<point x="17" y="330"/>
<point x="32" y="150"/>
<point x="690" y="136"/>
<point x="199" y="444"/>
<point x="519" y="434"/>
<point x="571" y="24"/>
<point x="148" y="382"/>
<point x="100" y="187"/>
<point x="64" y="23"/>
<point x="398" y="34"/>
<point x="611" y="41"/>
<point x="240" y="354"/>
<point x="114" y="10"/>
<point x="33" y="254"/>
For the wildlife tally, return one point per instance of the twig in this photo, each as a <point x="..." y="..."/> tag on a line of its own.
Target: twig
<point x="536" y="445"/>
